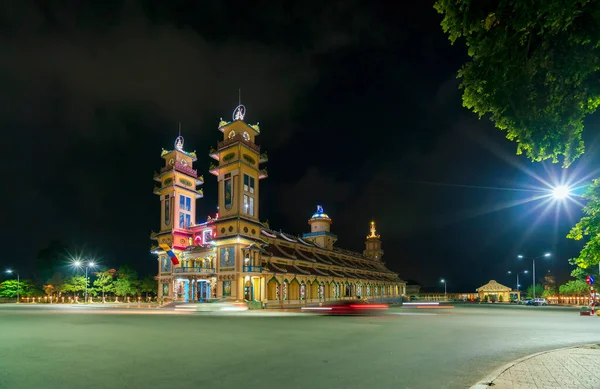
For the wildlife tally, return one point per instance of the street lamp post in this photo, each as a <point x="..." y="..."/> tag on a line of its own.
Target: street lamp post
<point x="524" y="272"/>
<point x="533" y="262"/>
<point x="443" y="281"/>
<point x="18" y="282"/>
<point x="88" y="265"/>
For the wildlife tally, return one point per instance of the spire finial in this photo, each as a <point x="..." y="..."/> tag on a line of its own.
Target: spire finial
<point x="179" y="140"/>
<point x="373" y="231"/>
<point x="240" y="111"/>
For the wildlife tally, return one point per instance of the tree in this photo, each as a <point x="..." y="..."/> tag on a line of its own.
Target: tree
<point x="547" y="293"/>
<point x="9" y="288"/>
<point x="127" y="272"/>
<point x="74" y="284"/>
<point x="124" y="287"/>
<point x="49" y="259"/>
<point x="104" y="281"/>
<point x="149" y="285"/>
<point x="538" y="291"/>
<point x="55" y="284"/>
<point x="574" y="288"/>
<point x="589" y="227"/>
<point x="533" y="68"/>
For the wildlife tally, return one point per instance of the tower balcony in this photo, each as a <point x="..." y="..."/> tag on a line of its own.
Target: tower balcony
<point x="238" y="138"/>
<point x="157" y="190"/>
<point x="186" y="169"/>
<point x="213" y="169"/>
<point x="199" y="180"/>
<point x="263" y="174"/>
<point x="252" y="269"/>
<point x="214" y="154"/>
<point x="199" y="193"/>
<point x="263" y="158"/>
<point x="157" y="176"/>
<point x="194" y="270"/>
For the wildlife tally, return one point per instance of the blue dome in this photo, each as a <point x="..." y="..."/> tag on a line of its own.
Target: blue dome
<point x="320" y="214"/>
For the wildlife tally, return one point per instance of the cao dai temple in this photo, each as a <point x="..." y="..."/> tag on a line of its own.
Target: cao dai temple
<point x="234" y="255"/>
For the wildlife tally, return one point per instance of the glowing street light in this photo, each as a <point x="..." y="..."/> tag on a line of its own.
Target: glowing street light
<point x="89" y="265"/>
<point x="443" y="281"/>
<point x="533" y="261"/>
<point x="519" y="272"/>
<point x="561" y="192"/>
<point x="9" y="271"/>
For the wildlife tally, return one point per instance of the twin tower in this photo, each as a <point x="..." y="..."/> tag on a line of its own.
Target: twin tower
<point x="238" y="160"/>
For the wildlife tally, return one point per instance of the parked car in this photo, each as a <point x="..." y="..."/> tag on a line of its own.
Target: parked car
<point x="540" y="301"/>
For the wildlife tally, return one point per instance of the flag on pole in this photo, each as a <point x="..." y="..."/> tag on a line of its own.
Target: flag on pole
<point x="170" y="253"/>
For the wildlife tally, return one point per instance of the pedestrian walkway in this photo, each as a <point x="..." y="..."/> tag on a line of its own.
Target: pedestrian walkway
<point x="575" y="367"/>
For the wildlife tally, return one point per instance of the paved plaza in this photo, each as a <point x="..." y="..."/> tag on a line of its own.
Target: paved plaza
<point x="75" y="347"/>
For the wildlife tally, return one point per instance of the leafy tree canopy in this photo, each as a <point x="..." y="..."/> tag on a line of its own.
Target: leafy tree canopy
<point x="533" y="69"/>
<point x="539" y="289"/>
<point x="574" y="288"/>
<point x="588" y="227"/>
<point x="9" y="288"/>
<point x="49" y="260"/>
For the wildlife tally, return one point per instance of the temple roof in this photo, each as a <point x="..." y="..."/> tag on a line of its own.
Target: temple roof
<point x="493" y="286"/>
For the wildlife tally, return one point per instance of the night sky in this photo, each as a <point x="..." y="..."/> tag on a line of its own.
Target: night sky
<point x="359" y="110"/>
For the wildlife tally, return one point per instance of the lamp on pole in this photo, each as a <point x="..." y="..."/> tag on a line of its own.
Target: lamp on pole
<point x="87" y="265"/>
<point x="519" y="272"/>
<point x="9" y="271"/>
<point x="533" y="262"/>
<point x="443" y="281"/>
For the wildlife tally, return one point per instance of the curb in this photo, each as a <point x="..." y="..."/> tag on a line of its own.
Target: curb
<point x="488" y="380"/>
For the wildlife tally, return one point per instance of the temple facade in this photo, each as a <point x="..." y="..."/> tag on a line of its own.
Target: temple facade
<point x="234" y="256"/>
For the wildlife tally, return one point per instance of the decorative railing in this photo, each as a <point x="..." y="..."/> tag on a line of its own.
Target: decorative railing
<point x="238" y="138"/>
<point x="208" y="270"/>
<point x="186" y="169"/>
<point x="252" y="269"/>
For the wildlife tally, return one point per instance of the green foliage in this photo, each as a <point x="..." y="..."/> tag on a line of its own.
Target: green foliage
<point x="574" y="288"/>
<point x="74" y="284"/>
<point x="588" y="227"/>
<point x="500" y="298"/>
<point x="9" y="288"/>
<point x="538" y="291"/>
<point x="533" y="69"/>
<point x="55" y="284"/>
<point x="127" y="272"/>
<point x="124" y="287"/>
<point x="547" y="293"/>
<point x="104" y="282"/>
<point x="149" y="285"/>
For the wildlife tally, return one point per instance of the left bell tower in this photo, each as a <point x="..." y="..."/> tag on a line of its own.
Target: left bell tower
<point x="178" y="191"/>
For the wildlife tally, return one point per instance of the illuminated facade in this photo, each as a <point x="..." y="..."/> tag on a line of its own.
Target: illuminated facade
<point x="234" y="255"/>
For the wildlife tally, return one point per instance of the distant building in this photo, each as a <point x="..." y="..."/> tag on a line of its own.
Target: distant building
<point x="413" y="288"/>
<point x="235" y="256"/>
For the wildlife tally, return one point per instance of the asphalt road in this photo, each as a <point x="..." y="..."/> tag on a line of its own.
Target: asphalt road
<point x="67" y="348"/>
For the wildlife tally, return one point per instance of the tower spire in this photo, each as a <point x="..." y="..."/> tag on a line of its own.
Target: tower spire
<point x="373" y="231"/>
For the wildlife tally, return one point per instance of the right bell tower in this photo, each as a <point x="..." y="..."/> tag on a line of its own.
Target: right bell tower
<point x="373" y="244"/>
